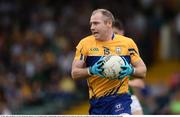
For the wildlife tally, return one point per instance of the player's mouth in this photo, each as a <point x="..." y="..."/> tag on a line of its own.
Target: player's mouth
<point x="95" y="33"/>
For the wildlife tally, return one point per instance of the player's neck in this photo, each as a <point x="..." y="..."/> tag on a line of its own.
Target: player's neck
<point x="109" y="36"/>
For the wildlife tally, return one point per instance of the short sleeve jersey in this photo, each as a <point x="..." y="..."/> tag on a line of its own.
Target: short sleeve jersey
<point x="90" y="50"/>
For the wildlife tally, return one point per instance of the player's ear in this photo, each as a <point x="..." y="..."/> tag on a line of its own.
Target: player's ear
<point x="109" y="23"/>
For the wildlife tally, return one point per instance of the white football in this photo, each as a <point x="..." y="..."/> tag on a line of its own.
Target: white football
<point x="112" y="66"/>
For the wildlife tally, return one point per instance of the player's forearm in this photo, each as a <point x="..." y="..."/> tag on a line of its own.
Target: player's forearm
<point x="137" y="83"/>
<point x="140" y="72"/>
<point x="80" y="73"/>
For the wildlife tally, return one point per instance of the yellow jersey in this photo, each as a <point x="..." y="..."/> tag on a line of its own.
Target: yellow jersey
<point x="90" y="50"/>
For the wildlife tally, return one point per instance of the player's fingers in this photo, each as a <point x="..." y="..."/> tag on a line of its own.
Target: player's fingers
<point x="123" y="67"/>
<point x="100" y="62"/>
<point x="100" y="70"/>
<point x="123" y="71"/>
<point x="122" y="76"/>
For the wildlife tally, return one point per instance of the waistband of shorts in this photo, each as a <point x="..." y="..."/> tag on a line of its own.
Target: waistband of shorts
<point x="114" y="95"/>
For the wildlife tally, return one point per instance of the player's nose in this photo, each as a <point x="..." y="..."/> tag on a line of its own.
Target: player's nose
<point x="92" y="27"/>
<point x="92" y="30"/>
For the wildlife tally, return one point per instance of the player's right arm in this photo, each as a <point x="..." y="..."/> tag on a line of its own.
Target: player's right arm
<point x="79" y="70"/>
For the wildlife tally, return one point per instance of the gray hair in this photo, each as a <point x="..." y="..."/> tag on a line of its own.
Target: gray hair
<point x="105" y="13"/>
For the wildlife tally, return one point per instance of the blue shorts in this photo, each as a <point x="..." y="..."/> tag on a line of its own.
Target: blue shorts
<point x="111" y="105"/>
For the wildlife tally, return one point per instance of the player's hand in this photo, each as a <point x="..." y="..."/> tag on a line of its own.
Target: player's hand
<point x="97" y="69"/>
<point x="127" y="69"/>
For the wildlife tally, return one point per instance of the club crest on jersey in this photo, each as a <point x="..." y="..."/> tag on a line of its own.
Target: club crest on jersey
<point x="106" y="51"/>
<point x="118" y="50"/>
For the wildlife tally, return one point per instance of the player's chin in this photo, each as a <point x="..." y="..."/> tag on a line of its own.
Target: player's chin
<point x="98" y="38"/>
<point x="96" y="35"/>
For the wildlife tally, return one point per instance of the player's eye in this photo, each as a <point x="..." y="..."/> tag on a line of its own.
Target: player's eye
<point x="94" y="23"/>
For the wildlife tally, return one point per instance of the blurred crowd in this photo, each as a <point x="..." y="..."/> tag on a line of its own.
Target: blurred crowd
<point x="38" y="40"/>
<point x="161" y="99"/>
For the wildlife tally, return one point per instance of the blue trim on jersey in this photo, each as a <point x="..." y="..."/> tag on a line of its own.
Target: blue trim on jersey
<point x="81" y="57"/>
<point x="91" y="60"/>
<point x="128" y="59"/>
<point x="132" y="50"/>
<point x="113" y="35"/>
<point x="111" y="105"/>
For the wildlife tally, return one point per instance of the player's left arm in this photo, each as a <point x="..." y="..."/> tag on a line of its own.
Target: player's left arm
<point x="136" y="83"/>
<point x="136" y="67"/>
<point x="139" y="67"/>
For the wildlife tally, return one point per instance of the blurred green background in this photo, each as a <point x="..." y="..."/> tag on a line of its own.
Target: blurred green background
<point x="37" y="45"/>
